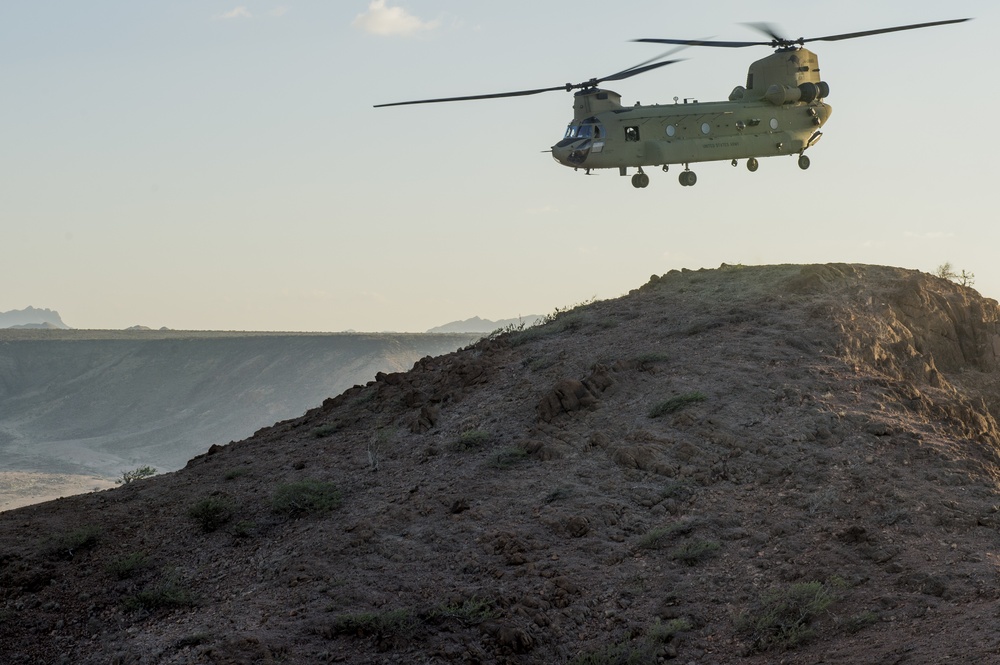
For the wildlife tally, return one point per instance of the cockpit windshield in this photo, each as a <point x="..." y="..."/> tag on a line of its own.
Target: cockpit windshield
<point x="586" y="130"/>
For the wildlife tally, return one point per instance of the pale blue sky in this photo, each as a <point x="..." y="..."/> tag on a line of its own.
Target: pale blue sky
<point x="205" y="164"/>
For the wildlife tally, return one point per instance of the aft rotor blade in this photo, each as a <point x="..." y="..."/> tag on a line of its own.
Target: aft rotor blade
<point x="866" y="33"/>
<point x="779" y="41"/>
<point x="496" y="95"/>
<point x="768" y="30"/>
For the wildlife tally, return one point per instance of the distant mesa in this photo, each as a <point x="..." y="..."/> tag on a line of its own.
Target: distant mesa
<point x="32" y="317"/>
<point x="478" y="325"/>
<point x="138" y="328"/>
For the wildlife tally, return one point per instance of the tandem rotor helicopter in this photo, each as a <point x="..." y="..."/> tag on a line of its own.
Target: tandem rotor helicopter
<point x="779" y="111"/>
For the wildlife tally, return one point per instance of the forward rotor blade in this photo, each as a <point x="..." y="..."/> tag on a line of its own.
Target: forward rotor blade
<point x="866" y="33"/>
<point x="638" y="69"/>
<point x="702" y="42"/>
<point x="496" y="95"/>
<point x="592" y="83"/>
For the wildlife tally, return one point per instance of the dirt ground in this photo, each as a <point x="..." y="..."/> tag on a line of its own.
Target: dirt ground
<point x="775" y="464"/>
<point x="23" y="488"/>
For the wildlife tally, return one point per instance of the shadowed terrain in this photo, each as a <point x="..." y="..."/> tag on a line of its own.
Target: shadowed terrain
<point x="792" y="464"/>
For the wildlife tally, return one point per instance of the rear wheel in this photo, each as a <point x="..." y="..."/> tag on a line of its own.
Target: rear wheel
<point x="803" y="162"/>
<point x="752" y="164"/>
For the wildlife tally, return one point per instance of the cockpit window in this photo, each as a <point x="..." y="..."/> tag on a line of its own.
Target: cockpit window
<point x="584" y="131"/>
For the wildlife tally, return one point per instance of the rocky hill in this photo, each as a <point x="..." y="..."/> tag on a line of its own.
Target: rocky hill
<point x="756" y="465"/>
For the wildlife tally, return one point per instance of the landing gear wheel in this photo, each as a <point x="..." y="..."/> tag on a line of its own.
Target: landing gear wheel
<point x="752" y="164"/>
<point x="803" y="162"/>
<point x="640" y="180"/>
<point x="688" y="178"/>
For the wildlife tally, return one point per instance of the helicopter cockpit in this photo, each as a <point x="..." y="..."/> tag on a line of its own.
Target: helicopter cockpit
<point x="588" y="129"/>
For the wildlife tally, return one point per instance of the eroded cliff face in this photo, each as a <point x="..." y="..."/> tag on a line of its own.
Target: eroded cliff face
<point x="639" y="480"/>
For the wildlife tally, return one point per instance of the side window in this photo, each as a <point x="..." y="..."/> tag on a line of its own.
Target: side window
<point x="631" y="133"/>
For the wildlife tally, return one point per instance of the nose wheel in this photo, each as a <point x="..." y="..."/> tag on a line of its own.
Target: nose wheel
<point x="687" y="178"/>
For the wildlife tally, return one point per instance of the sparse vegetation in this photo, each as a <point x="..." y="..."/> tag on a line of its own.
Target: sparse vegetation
<point x="305" y="497"/>
<point x="471" y="439"/>
<point x="324" y="431"/>
<point x="947" y="271"/>
<point x="636" y="652"/>
<point x="239" y="472"/>
<point x="391" y="623"/>
<point x="558" y="494"/>
<point x="129" y="477"/>
<point x="645" y="360"/>
<point x="860" y="621"/>
<point x="694" y="552"/>
<point x="212" y="512"/>
<point x="783" y="618"/>
<point x="508" y="457"/>
<point x="560" y="320"/>
<point x="166" y="594"/>
<point x="676" y="403"/>
<point x="72" y="543"/>
<point x="470" y="612"/>
<point x="663" y="632"/>
<point x="127" y="566"/>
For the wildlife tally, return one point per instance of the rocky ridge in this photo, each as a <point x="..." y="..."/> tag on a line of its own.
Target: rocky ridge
<point x="743" y="465"/>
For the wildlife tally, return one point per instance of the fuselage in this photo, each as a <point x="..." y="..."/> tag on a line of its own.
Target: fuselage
<point x="779" y="112"/>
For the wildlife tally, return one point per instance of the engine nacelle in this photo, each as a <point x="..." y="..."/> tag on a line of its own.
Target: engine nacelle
<point x="804" y="92"/>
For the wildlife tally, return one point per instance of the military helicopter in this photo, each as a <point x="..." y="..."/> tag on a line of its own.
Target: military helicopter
<point x="779" y="111"/>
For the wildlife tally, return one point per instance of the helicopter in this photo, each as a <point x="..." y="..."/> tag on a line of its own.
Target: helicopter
<point x="780" y="111"/>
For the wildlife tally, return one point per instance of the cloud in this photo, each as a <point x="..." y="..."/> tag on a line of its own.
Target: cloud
<point x="387" y="21"/>
<point x="929" y="235"/>
<point x="239" y="12"/>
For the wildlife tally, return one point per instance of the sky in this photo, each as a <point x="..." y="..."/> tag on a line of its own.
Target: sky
<point x="219" y="165"/>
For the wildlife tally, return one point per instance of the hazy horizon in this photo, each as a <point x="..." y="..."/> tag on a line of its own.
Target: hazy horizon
<point x="218" y="165"/>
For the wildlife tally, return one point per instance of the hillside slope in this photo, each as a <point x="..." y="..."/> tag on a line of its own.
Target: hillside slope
<point x="94" y="403"/>
<point x="744" y="465"/>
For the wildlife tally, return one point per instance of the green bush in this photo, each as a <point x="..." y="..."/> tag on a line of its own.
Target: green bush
<point x="70" y="544"/>
<point x="305" y="497"/>
<point x="383" y="624"/>
<point x="129" y="477"/>
<point x="129" y="565"/>
<point x="675" y="404"/>
<point x="325" y="430"/>
<point x="783" y="618"/>
<point x="167" y="594"/>
<point x="695" y="551"/>
<point x="471" y="439"/>
<point x="508" y="457"/>
<point x="470" y="612"/>
<point x="638" y="652"/>
<point x="212" y="512"/>
<point x="663" y="632"/>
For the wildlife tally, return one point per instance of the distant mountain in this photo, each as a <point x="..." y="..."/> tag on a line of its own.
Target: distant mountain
<point x="31" y="317"/>
<point x="478" y="325"/>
